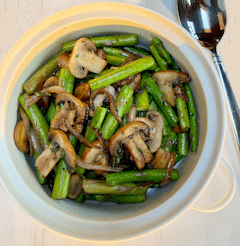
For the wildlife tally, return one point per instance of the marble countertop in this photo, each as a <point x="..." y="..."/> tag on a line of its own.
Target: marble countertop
<point x="193" y="227"/>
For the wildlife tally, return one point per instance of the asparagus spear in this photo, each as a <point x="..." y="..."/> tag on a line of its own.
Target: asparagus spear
<point x="123" y="72"/>
<point x="31" y="84"/>
<point x="155" y="175"/>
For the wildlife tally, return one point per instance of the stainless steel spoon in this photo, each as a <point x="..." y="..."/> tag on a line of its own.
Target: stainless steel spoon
<point x="206" y="21"/>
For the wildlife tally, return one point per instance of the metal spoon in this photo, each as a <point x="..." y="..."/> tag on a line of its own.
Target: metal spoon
<point x="206" y="21"/>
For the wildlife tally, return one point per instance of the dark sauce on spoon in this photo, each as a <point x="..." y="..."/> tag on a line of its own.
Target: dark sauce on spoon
<point x="207" y="27"/>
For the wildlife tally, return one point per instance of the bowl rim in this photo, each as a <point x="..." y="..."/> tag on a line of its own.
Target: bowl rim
<point x="12" y="54"/>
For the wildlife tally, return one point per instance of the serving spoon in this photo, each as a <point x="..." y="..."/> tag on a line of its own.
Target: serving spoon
<point x="206" y="22"/>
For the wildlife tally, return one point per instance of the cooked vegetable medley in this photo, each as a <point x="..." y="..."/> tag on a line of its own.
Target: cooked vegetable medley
<point x="106" y="119"/>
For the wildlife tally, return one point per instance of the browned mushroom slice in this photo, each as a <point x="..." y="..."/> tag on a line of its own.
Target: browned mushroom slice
<point x="61" y="138"/>
<point x="59" y="147"/>
<point x="124" y="132"/>
<point x="142" y="147"/>
<point x="75" y="186"/>
<point x="63" y="60"/>
<point x="134" y="151"/>
<point x="100" y="53"/>
<point x="78" y="105"/>
<point x="96" y="156"/>
<point x="58" y="121"/>
<point x="154" y="120"/>
<point x="82" y="91"/>
<point x="20" y="137"/>
<point x="84" y="59"/>
<point x="47" y="160"/>
<point x="129" y="135"/>
<point x="45" y="92"/>
<point x="165" y="80"/>
<point x="179" y="92"/>
<point x="166" y="160"/>
<point x="52" y="81"/>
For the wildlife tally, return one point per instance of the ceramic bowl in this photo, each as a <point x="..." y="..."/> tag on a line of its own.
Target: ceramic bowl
<point x="101" y="221"/>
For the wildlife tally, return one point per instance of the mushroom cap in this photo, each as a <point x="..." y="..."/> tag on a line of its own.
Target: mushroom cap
<point x="52" y="81"/>
<point x="165" y="80"/>
<point x="78" y="104"/>
<point x="125" y="132"/>
<point x="63" y="60"/>
<point x="95" y="155"/>
<point x="82" y="91"/>
<point x="154" y="120"/>
<point x="62" y="140"/>
<point x="84" y="59"/>
<point x="48" y="159"/>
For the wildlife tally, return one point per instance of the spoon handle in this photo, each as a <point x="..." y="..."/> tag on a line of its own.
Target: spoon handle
<point x="233" y="106"/>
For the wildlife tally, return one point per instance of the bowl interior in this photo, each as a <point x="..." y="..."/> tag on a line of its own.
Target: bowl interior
<point x="104" y="221"/>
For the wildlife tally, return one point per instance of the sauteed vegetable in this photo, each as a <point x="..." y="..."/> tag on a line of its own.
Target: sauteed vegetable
<point x="106" y="119"/>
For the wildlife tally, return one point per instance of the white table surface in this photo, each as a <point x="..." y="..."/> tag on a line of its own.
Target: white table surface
<point x="193" y="227"/>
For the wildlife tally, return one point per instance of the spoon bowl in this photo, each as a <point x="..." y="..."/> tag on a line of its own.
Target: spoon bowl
<point x="206" y="22"/>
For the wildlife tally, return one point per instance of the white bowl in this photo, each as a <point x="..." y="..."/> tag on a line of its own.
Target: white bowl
<point x="101" y="221"/>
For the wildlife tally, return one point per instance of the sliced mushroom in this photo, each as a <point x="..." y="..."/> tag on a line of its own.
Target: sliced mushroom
<point x="165" y="160"/>
<point x="161" y="159"/>
<point x="129" y="135"/>
<point x="75" y="103"/>
<point x="47" y="160"/>
<point x="52" y="81"/>
<point x="59" y="147"/>
<point x="63" y="60"/>
<point x="82" y="91"/>
<point x="58" y="122"/>
<point x="20" y="137"/>
<point x="61" y="138"/>
<point x="166" y="79"/>
<point x="154" y="120"/>
<point x="179" y="92"/>
<point x="96" y="156"/>
<point x="75" y="186"/>
<point x="101" y="54"/>
<point x="84" y="59"/>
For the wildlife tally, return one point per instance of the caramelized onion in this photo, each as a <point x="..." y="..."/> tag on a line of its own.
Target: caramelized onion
<point x="110" y="97"/>
<point x="97" y="166"/>
<point x="132" y="114"/>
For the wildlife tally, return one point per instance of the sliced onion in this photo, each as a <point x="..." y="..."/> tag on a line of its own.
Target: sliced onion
<point x="37" y="96"/>
<point x="103" y="141"/>
<point x="110" y="97"/>
<point x="78" y="135"/>
<point x="132" y="114"/>
<point x="97" y="166"/>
